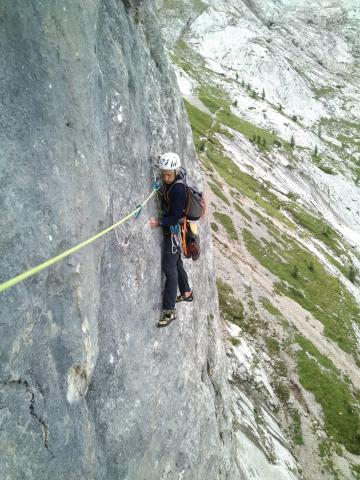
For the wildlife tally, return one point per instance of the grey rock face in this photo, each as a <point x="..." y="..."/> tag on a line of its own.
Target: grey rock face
<point x="90" y="389"/>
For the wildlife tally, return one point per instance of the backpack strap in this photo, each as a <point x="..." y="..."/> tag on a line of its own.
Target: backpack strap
<point x="185" y="221"/>
<point x="184" y="237"/>
<point x="167" y="192"/>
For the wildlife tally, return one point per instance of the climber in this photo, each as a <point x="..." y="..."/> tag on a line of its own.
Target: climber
<point x="173" y="208"/>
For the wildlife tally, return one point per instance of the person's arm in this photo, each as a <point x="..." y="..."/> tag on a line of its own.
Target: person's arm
<point x="177" y="206"/>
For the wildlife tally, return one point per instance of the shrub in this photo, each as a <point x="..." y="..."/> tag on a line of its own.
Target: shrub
<point x="282" y="391"/>
<point x="352" y="275"/>
<point x="327" y="169"/>
<point x="311" y="266"/>
<point x="295" y="271"/>
<point x="281" y="368"/>
<point x="296" y="432"/>
<point x="272" y="345"/>
<point x="214" y="227"/>
<point x="231" y="307"/>
<point x="227" y="223"/>
<point x="219" y="193"/>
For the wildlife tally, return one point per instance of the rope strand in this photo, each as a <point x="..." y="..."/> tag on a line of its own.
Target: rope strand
<point x="33" y="271"/>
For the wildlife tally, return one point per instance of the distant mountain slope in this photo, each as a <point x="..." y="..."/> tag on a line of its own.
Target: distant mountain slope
<point x="272" y="90"/>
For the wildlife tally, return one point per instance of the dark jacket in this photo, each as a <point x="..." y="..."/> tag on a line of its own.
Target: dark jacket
<point x="175" y="208"/>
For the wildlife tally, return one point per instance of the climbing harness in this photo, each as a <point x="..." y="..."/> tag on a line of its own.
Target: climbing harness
<point x="19" y="278"/>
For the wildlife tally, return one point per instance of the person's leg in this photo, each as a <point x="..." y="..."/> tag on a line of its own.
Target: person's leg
<point x="183" y="280"/>
<point x="171" y="273"/>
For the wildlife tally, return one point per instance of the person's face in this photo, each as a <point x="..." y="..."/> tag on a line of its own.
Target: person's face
<point x="168" y="176"/>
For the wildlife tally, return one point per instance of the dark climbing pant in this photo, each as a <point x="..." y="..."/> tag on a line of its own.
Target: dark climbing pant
<point x="175" y="274"/>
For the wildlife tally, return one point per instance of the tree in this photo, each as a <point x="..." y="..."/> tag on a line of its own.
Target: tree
<point x="294" y="118"/>
<point x="352" y="273"/>
<point x="280" y="107"/>
<point x="136" y="15"/>
<point x="235" y="103"/>
<point x="242" y="83"/>
<point x="248" y="86"/>
<point x="357" y="179"/>
<point x="326" y="231"/>
<point x="319" y="132"/>
<point x="236" y="76"/>
<point x="316" y="151"/>
<point x="263" y="94"/>
<point x="295" y="271"/>
<point x="292" y="141"/>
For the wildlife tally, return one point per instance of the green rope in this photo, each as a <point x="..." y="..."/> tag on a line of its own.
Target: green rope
<point x="48" y="263"/>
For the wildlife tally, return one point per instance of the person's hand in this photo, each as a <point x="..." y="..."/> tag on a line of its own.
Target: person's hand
<point x="153" y="222"/>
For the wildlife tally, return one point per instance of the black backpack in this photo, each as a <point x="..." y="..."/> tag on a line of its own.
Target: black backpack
<point x="195" y="206"/>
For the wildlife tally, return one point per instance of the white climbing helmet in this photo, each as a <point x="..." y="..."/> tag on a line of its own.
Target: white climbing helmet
<point x="169" y="161"/>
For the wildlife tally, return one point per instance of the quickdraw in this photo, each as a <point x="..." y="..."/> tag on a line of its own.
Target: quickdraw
<point x="175" y="238"/>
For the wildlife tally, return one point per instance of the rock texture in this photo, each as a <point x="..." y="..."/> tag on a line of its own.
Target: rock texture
<point x="89" y="388"/>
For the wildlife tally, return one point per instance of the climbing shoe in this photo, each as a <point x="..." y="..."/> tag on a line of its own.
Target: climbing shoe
<point x="182" y="298"/>
<point x="166" y="318"/>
